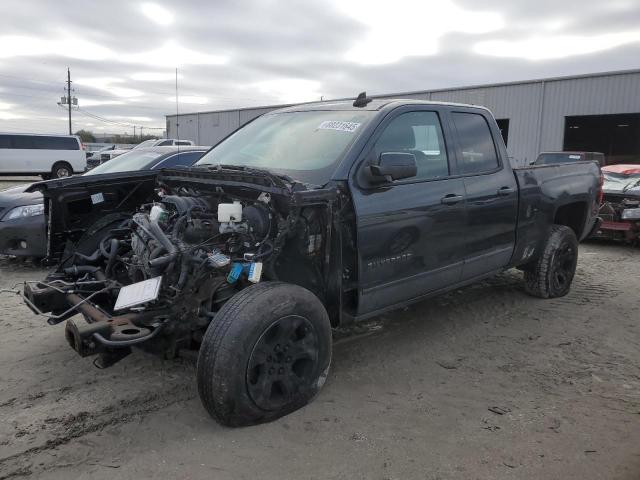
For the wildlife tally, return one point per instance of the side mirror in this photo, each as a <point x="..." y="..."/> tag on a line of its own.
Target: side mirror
<point x="394" y="166"/>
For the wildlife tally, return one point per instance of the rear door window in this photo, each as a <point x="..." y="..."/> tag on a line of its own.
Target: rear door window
<point x="5" y="141"/>
<point x="475" y="143"/>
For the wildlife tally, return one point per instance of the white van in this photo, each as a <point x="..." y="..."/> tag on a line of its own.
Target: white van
<point x="51" y="156"/>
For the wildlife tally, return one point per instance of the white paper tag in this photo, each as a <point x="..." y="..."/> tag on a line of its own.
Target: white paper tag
<point x="574" y="157"/>
<point x="138" y="293"/>
<point x="338" y="125"/>
<point x="97" y="198"/>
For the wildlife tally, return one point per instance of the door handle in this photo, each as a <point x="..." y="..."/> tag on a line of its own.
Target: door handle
<point x="451" y="199"/>
<point x="504" y="191"/>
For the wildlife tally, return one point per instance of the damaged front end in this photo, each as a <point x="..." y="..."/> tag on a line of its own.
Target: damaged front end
<point x="148" y="259"/>
<point x="620" y="214"/>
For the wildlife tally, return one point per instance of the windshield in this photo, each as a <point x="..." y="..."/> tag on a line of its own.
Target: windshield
<point x="303" y="145"/>
<point x="104" y="149"/>
<point x="552" y="158"/>
<point x="619" y="181"/>
<point x="127" y="162"/>
<point x="146" y="143"/>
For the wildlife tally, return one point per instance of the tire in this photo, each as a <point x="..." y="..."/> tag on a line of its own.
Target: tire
<point x="61" y="170"/>
<point x="265" y="354"/>
<point x="550" y="276"/>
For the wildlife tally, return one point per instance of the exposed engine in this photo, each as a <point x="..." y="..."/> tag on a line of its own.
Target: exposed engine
<point x="161" y="272"/>
<point x="181" y="237"/>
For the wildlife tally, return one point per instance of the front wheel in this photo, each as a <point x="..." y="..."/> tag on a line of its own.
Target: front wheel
<point x="551" y="274"/>
<point x="265" y="354"/>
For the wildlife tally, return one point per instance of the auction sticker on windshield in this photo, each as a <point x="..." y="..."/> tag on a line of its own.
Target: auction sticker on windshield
<point x="338" y="125"/>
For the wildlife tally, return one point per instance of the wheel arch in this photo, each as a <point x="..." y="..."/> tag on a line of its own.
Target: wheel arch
<point x="573" y="215"/>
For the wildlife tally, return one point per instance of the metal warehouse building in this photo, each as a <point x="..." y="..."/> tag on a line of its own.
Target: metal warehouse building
<point x="598" y="112"/>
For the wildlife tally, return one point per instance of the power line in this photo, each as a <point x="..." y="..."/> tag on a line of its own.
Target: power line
<point x="146" y="90"/>
<point x="114" y="122"/>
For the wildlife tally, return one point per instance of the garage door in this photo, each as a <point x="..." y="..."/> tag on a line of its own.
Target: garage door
<point x="617" y="136"/>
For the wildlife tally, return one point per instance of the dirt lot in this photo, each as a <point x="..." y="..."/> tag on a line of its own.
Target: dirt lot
<point x="484" y="383"/>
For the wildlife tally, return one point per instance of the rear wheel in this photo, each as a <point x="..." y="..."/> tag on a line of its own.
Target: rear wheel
<point x="61" y="170"/>
<point x="551" y="274"/>
<point x="265" y="354"/>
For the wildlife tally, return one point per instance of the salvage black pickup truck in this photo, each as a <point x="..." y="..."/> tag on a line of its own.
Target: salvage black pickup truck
<point x="307" y="218"/>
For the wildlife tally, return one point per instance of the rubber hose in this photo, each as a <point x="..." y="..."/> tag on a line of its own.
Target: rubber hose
<point x="113" y="252"/>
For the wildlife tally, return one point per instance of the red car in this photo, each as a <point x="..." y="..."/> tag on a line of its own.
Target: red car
<point x="620" y="209"/>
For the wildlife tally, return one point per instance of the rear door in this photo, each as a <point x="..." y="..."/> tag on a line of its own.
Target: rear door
<point x="491" y="194"/>
<point x="410" y="233"/>
<point x="25" y="158"/>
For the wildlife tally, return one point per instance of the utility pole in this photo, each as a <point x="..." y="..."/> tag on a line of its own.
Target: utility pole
<point x="69" y="98"/>
<point x="134" y="133"/>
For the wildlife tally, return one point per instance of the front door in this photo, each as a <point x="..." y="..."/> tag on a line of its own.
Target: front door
<point x="410" y="232"/>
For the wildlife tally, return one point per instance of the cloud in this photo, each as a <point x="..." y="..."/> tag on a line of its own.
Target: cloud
<point x="170" y="53"/>
<point x="155" y="76"/>
<point x="91" y="102"/>
<point x="555" y="46"/>
<point x="157" y="13"/>
<point x="190" y="99"/>
<point x="110" y="85"/>
<point x="407" y="28"/>
<point x="67" y="46"/>
<point x="290" y="90"/>
<point x="239" y="53"/>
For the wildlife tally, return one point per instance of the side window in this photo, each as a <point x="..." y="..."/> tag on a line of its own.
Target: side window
<point x="42" y="143"/>
<point x="183" y="143"/>
<point x="166" y="143"/>
<point x="476" y="143"/>
<point x="69" y="143"/>
<point x="419" y="133"/>
<point x="185" y="159"/>
<point x="5" y="141"/>
<point x="24" y="142"/>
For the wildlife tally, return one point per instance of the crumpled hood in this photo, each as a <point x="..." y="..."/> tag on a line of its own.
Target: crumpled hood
<point x="631" y="192"/>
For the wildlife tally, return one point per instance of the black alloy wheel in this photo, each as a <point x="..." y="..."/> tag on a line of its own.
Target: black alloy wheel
<point x="282" y="362"/>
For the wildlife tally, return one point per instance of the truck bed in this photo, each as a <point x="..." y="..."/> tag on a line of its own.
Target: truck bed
<point x="549" y="193"/>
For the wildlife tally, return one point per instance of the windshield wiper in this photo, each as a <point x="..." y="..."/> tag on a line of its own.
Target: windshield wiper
<point x="252" y="170"/>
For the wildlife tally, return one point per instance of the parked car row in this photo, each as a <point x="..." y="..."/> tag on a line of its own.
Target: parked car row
<point x="22" y="225"/>
<point x="58" y="156"/>
<point x="109" y="154"/>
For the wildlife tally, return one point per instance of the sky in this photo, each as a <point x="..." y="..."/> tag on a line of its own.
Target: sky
<point x="123" y="54"/>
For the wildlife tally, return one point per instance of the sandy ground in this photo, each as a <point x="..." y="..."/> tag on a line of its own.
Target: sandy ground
<point x="483" y="383"/>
